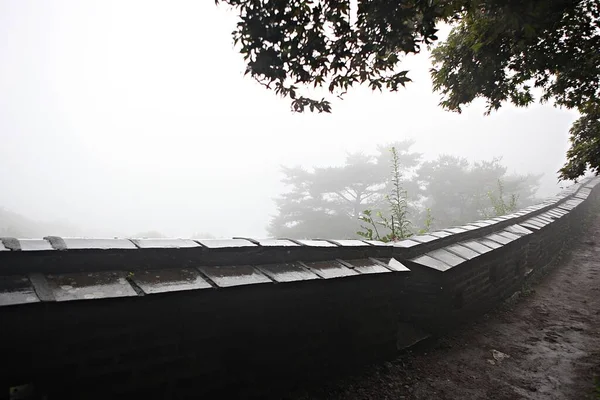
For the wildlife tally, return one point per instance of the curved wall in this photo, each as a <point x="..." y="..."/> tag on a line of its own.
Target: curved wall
<point x="167" y="317"/>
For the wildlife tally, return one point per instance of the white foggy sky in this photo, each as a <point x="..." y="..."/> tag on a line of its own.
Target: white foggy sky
<point x="127" y="116"/>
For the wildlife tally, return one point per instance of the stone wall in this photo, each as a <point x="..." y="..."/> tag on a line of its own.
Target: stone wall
<point x="98" y="318"/>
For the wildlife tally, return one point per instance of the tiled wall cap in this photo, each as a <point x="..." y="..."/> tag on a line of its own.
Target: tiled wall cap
<point x="350" y="243"/>
<point x="422" y="238"/>
<point x="165" y="243"/>
<point x="406" y="244"/>
<point x="101" y="244"/>
<point x="431" y="262"/>
<point x="35" y="245"/>
<point x="287" y="272"/>
<point x="446" y="257"/>
<point x="315" y="243"/>
<point x="225" y="243"/>
<point x="379" y="243"/>
<point x="277" y="243"/>
<point x="462" y="251"/>
<point x="476" y="246"/>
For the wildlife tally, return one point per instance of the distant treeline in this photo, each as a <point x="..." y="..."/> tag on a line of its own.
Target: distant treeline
<point x="331" y="202"/>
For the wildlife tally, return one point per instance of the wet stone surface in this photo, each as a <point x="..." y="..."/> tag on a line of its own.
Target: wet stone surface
<point x="287" y="272"/>
<point x="2" y="248"/>
<point x="83" y="286"/>
<point x="16" y="290"/>
<point x="366" y="266"/>
<point x="169" y="280"/>
<point x="330" y="269"/>
<point x="234" y="275"/>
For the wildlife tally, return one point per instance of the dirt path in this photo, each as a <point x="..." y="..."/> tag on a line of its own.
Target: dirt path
<point x="549" y="344"/>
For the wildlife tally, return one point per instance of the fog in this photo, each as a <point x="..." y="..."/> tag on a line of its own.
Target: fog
<point x="124" y="117"/>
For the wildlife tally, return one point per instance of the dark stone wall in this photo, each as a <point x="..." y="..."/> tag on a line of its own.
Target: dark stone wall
<point x="104" y="321"/>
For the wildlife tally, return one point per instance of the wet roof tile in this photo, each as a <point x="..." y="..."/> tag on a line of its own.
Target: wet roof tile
<point x="169" y="280"/>
<point x="350" y="243"/>
<point x="225" y="243"/>
<point x="103" y="244"/>
<point x="446" y="257"/>
<point x="490" y="243"/>
<point x="165" y="243"/>
<point x="316" y="243"/>
<point x="277" y="243"/>
<point x="498" y="238"/>
<point x="330" y="269"/>
<point x="423" y="238"/>
<point x="476" y="246"/>
<point x="518" y="230"/>
<point x="234" y="275"/>
<point x="366" y="266"/>
<point x="95" y="285"/>
<point x="462" y="251"/>
<point x="509" y="235"/>
<point x="406" y="244"/>
<point x="441" y="234"/>
<point x="16" y="290"/>
<point x="393" y="264"/>
<point x="455" y="230"/>
<point x="287" y="272"/>
<point x="378" y="243"/>
<point x="35" y="245"/>
<point x="431" y="263"/>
